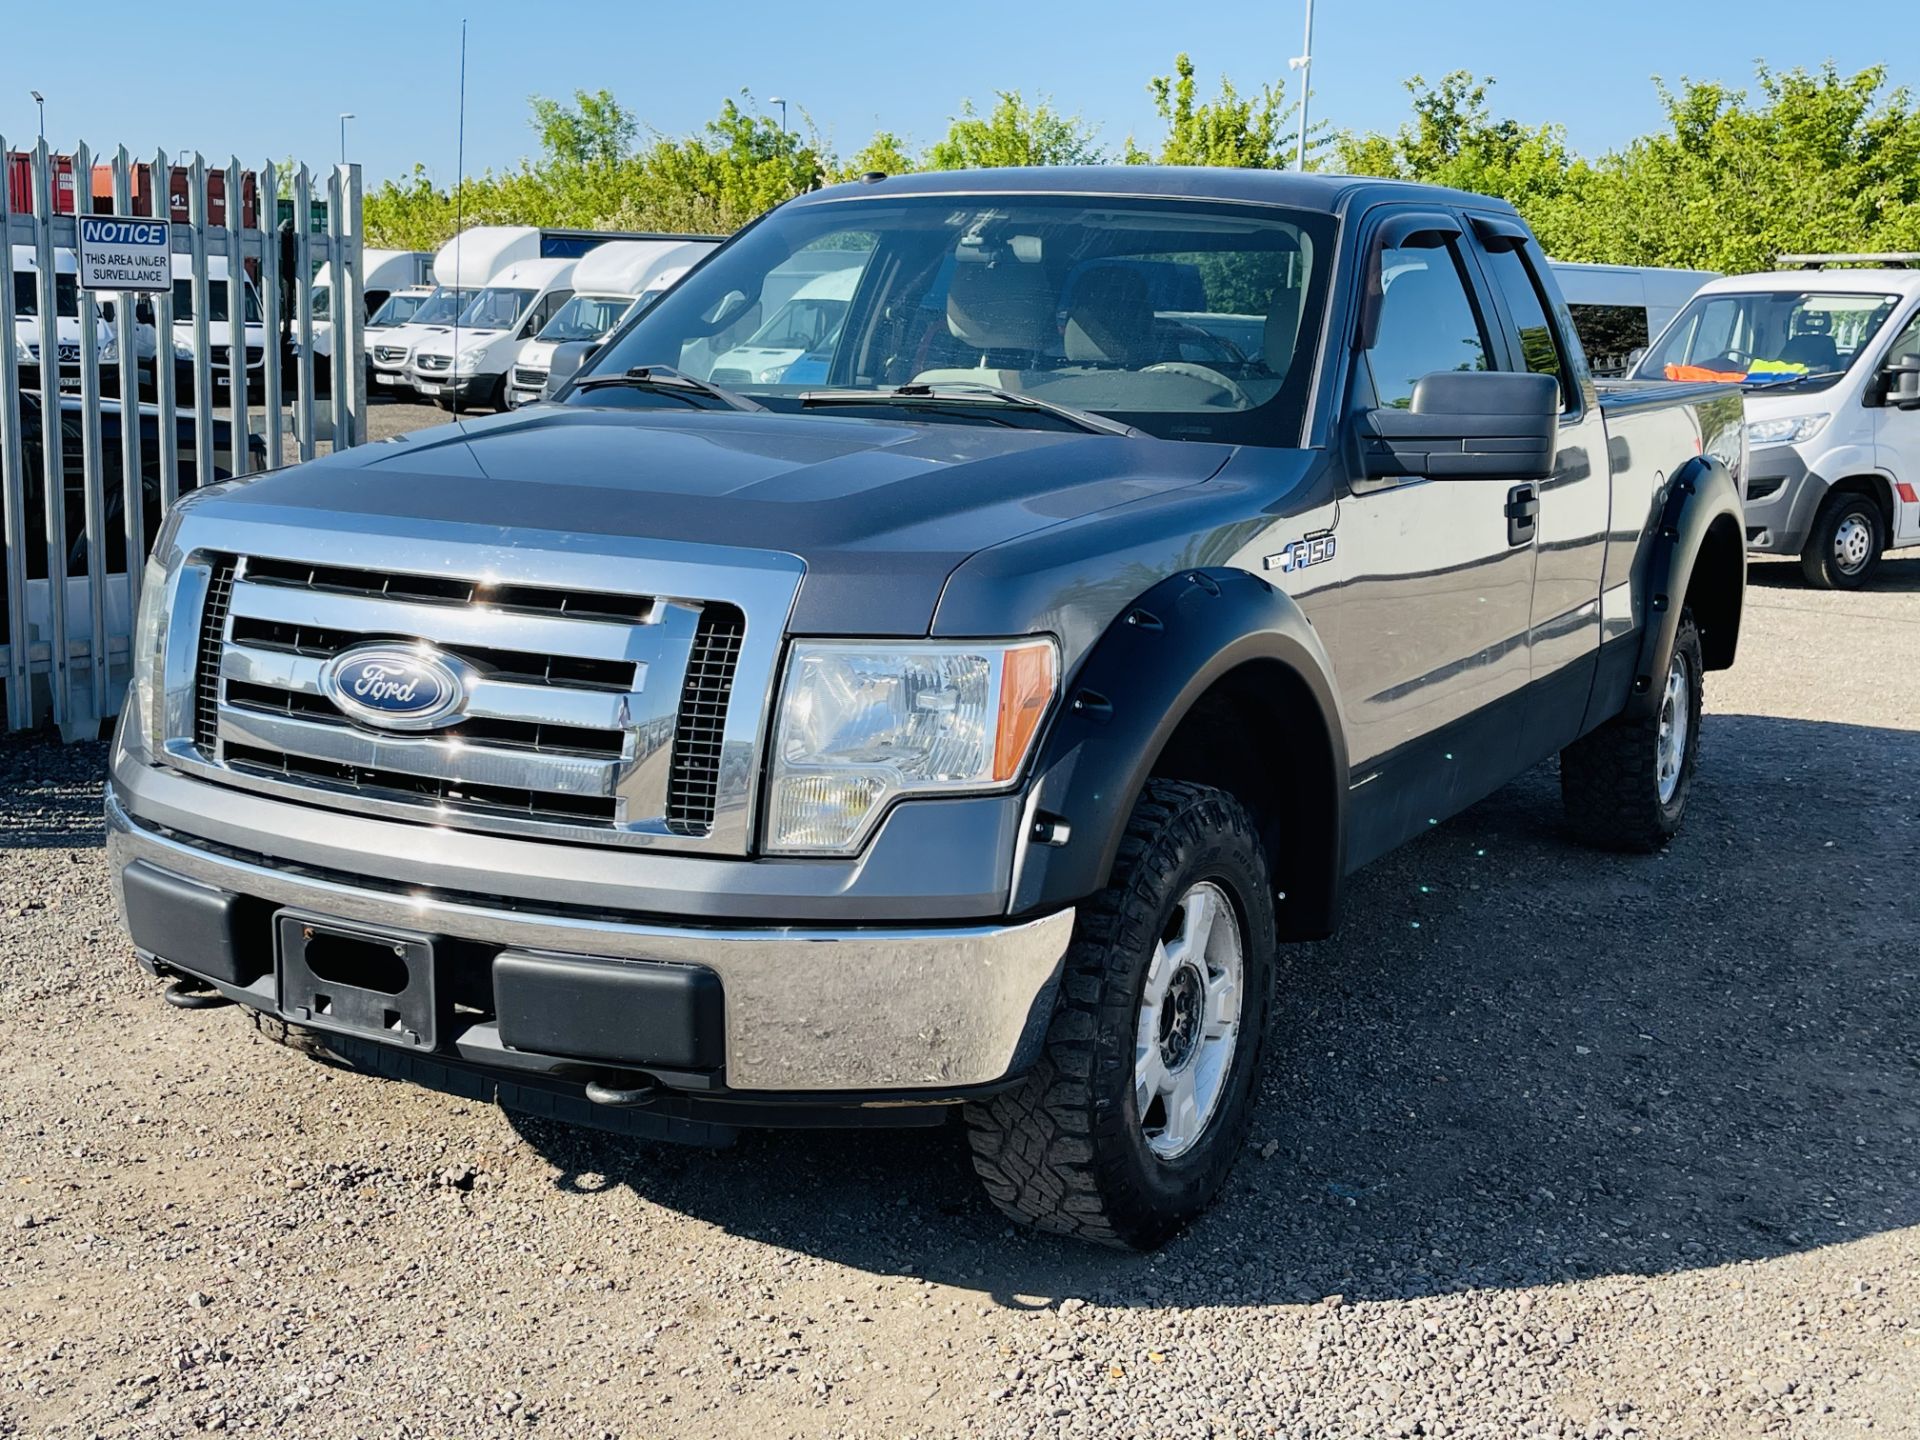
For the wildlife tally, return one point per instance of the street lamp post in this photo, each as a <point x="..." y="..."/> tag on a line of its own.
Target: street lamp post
<point x="776" y="100"/>
<point x="345" y="115"/>
<point x="1303" y="62"/>
<point x="41" y="101"/>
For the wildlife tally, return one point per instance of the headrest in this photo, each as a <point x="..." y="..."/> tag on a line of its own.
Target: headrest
<point x="1110" y="318"/>
<point x="999" y="304"/>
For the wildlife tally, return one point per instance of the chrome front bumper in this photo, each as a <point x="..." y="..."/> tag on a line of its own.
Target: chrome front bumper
<point x="870" y="1009"/>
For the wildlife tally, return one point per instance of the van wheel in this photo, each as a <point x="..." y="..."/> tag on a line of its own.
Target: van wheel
<point x="1625" y="785"/>
<point x="1140" y="1102"/>
<point x="1844" y="547"/>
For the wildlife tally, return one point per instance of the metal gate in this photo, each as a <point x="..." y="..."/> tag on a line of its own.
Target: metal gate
<point x="94" y="449"/>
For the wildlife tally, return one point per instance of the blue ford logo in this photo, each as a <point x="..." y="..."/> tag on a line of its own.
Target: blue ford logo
<point x="396" y="687"/>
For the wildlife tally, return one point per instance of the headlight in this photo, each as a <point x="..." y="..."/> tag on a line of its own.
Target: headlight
<point x="110" y="351"/>
<point x="1788" y="431"/>
<point x="21" y="354"/>
<point x="182" y="350"/>
<point x="149" y="640"/>
<point x="862" y="723"/>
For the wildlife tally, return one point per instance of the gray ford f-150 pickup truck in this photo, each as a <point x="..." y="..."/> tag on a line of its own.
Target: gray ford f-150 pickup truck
<point x="958" y="715"/>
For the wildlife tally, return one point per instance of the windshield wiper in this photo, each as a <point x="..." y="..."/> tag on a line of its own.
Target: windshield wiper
<point x="967" y="392"/>
<point x="665" y="377"/>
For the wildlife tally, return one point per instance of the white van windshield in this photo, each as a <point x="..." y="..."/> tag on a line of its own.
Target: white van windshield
<point x="26" y="294"/>
<point x="496" y="307"/>
<point x="585" y="317"/>
<point x="1805" y="339"/>
<point x="442" y="307"/>
<point x="399" y="309"/>
<point x="217" y="312"/>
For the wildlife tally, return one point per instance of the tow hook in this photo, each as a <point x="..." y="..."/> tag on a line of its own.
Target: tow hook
<point x="193" y="995"/>
<point x="619" y="1097"/>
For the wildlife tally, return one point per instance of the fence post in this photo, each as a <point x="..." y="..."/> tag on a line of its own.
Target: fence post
<point x="270" y="303"/>
<point x="52" y="450"/>
<point x="133" y="471"/>
<point x="167" y="421"/>
<point x="202" y="354"/>
<point x="238" y="381"/>
<point x="351" y="340"/>
<point x="303" y="309"/>
<point x="92" y="474"/>
<point x="13" y="486"/>
<point x="337" y="276"/>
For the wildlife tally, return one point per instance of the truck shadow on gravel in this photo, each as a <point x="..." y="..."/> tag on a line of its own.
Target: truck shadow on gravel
<point x="1520" y="1063"/>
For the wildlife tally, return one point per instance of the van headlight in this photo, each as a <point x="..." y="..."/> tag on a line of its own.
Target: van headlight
<point x="865" y="722"/>
<point x="1789" y="430"/>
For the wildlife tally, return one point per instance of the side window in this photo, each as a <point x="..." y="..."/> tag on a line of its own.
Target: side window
<point x="1427" y="323"/>
<point x="1610" y="334"/>
<point x="1511" y="271"/>
<point x="548" y="307"/>
<point x="1906" y="346"/>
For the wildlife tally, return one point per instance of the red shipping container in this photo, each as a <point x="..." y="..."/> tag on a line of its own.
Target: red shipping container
<point x="20" y="183"/>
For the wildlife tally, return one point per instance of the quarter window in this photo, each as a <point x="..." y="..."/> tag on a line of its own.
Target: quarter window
<point x="1427" y="323"/>
<point x="1512" y="272"/>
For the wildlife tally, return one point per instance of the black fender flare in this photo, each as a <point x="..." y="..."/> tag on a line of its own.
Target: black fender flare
<point x="1699" y="493"/>
<point x="1138" y="682"/>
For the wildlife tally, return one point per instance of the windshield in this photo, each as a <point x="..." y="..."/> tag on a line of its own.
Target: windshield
<point x="322" y="301"/>
<point x="26" y="294"/>
<point x="1182" y="318"/>
<point x="1803" y="338"/>
<point x="217" y="312"/>
<point x="585" y="317"/>
<point x="442" y="307"/>
<point x="495" y="308"/>
<point x="398" y="310"/>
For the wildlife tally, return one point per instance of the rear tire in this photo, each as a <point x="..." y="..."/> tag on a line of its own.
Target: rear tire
<point x="1625" y="785"/>
<point x="1186" y="921"/>
<point x="1844" y="547"/>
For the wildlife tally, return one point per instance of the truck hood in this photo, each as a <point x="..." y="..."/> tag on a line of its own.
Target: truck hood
<point x="880" y="511"/>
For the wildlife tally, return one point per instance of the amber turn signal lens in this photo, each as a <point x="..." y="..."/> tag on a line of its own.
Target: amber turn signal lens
<point x="1026" y="689"/>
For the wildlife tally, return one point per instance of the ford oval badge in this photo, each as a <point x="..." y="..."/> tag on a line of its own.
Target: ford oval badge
<point x="396" y="687"/>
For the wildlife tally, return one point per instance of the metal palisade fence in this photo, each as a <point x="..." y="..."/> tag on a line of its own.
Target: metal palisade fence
<point x="179" y="385"/>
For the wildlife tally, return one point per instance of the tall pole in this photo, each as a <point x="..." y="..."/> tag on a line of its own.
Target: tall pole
<point x="776" y="100"/>
<point x="345" y="115"/>
<point x="1303" y="62"/>
<point x="41" y="101"/>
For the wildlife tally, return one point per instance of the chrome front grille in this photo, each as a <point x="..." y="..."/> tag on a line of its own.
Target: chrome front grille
<point x="434" y="363"/>
<point x="390" y="356"/>
<point x="587" y="713"/>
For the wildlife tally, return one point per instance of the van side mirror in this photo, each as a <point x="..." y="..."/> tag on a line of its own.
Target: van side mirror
<point x="1901" y="380"/>
<point x="1466" y="425"/>
<point x="565" y="364"/>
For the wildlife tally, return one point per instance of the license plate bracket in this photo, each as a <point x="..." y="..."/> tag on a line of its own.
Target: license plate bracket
<point x="359" y="980"/>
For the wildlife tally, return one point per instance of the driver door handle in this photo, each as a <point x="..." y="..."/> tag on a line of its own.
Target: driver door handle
<point x="1523" y="513"/>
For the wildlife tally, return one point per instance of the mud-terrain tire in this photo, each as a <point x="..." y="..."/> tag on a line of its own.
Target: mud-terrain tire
<point x="1070" y="1150"/>
<point x="1844" y="547"/>
<point x="1625" y="785"/>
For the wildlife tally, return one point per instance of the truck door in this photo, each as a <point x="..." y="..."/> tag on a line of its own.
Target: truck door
<point x="1428" y="640"/>
<point x="1570" y="533"/>
<point x="1896" y="445"/>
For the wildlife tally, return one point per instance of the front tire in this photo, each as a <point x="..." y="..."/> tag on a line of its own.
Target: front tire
<point x="1625" y="785"/>
<point x="1140" y="1102"/>
<point x="1844" y="547"/>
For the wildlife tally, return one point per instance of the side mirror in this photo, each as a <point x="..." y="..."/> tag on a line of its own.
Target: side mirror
<point x="1466" y="425"/>
<point x="1902" y="382"/>
<point x="566" y="363"/>
<point x="1636" y="355"/>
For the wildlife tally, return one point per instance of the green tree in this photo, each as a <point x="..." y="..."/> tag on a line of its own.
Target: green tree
<point x="1248" y="131"/>
<point x="595" y="131"/>
<point x="886" y="152"/>
<point x="1014" y="133"/>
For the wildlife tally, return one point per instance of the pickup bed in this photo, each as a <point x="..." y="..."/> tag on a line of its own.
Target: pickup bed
<point x="960" y="717"/>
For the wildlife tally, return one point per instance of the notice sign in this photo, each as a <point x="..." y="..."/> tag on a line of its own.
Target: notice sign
<point x="125" y="253"/>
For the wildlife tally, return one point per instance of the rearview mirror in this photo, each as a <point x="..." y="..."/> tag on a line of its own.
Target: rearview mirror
<point x="565" y="364"/>
<point x="1902" y="382"/>
<point x="1466" y="425"/>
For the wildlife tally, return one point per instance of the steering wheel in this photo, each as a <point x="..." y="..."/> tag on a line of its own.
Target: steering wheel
<point x="1225" y="384"/>
<point x="1736" y="357"/>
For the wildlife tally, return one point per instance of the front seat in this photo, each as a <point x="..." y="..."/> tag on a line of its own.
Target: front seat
<point x="1002" y="307"/>
<point x="1109" y="319"/>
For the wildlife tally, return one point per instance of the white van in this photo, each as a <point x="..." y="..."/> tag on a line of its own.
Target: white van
<point x="389" y="347"/>
<point x="467" y="366"/>
<point x="1618" y="309"/>
<point x="219" y="334"/>
<point x="30" y="334"/>
<point x="382" y="273"/>
<point x="1830" y="362"/>
<point x="807" y="324"/>
<point x="610" y="281"/>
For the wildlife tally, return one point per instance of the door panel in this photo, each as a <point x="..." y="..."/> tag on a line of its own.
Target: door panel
<point x="1896" y="447"/>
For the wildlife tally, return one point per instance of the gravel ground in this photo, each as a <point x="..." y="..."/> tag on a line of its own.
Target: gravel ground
<point x="1552" y="1144"/>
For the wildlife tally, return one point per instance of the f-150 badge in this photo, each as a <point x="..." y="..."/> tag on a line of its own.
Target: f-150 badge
<point x="1300" y="554"/>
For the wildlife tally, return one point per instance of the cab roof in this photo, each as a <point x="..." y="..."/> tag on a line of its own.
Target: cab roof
<point x="1334" y="194"/>
<point x="1872" y="281"/>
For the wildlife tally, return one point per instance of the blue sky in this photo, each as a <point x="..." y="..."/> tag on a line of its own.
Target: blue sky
<point x="279" y="74"/>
